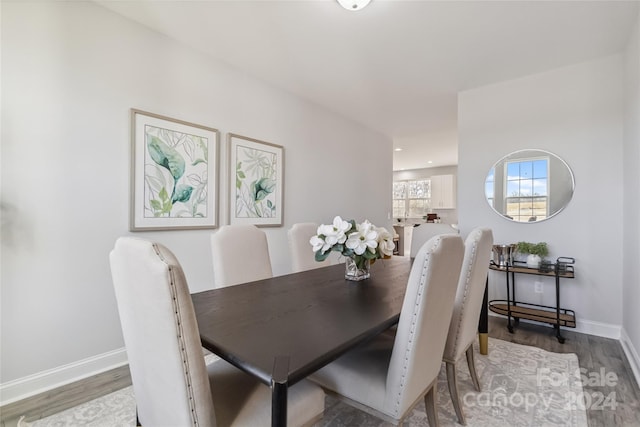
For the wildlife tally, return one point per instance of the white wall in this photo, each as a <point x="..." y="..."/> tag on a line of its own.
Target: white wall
<point x="404" y="175"/>
<point x="71" y="72"/>
<point x="575" y="112"/>
<point x="631" y="214"/>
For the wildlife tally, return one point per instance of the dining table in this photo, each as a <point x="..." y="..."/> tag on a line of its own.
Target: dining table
<point x="284" y="328"/>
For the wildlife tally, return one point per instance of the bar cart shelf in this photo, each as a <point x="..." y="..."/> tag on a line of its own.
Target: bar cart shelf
<point x="512" y="308"/>
<point x="539" y="313"/>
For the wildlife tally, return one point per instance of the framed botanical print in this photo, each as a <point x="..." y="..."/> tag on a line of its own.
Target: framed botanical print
<point x="174" y="173"/>
<point x="256" y="182"/>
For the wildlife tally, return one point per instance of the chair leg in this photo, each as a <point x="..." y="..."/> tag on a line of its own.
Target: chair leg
<point x="452" y="381"/>
<point x="472" y="368"/>
<point x="430" y="402"/>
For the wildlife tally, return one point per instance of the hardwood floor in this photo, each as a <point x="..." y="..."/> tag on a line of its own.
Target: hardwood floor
<point x="597" y="356"/>
<point x="65" y="397"/>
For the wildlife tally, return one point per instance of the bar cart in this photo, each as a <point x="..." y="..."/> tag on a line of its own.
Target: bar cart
<point x="563" y="268"/>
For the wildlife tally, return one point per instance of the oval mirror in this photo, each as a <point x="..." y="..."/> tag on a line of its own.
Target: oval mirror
<point x="529" y="186"/>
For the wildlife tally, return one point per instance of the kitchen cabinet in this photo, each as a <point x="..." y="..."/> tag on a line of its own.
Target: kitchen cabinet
<point x="443" y="192"/>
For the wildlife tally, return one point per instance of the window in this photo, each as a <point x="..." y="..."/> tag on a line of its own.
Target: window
<point x="489" y="187"/>
<point x="526" y="189"/>
<point x="411" y="198"/>
<point x="399" y="199"/>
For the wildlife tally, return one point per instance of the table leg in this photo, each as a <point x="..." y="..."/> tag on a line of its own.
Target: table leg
<point x="279" y="389"/>
<point x="483" y="324"/>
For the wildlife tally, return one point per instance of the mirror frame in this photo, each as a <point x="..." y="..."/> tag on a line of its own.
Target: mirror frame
<point x="534" y="152"/>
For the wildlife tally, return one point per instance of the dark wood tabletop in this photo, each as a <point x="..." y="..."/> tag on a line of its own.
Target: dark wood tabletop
<point x="284" y="328"/>
<point x="313" y="316"/>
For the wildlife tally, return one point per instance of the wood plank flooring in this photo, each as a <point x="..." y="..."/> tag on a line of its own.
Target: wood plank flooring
<point x="65" y="397"/>
<point x="595" y="355"/>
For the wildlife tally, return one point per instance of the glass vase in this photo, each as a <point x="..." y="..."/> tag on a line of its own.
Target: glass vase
<point x="352" y="272"/>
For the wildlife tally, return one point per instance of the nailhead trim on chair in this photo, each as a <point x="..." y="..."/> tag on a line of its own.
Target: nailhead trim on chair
<point x="178" y="316"/>
<point x="466" y="289"/>
<point x="413" y="329"/>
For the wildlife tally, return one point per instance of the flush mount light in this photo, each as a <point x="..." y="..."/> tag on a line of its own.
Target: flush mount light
<point x="353" y="4"/>
<point x="397" y="149"/>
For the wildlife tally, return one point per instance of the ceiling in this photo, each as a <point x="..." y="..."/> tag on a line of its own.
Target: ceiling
<point x="396" y="66"/>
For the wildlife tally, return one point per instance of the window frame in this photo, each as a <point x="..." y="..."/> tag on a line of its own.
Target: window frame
<point x="529" y="200"/>
<point x="407" y="209"/>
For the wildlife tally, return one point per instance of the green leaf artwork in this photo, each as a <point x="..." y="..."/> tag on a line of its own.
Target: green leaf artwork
<point x="262" y="188"/>
<point x="175" y="173"/>
<point x="182" y="193"/>
<point x="255" y="183"/>
<point x="162" y="205"/>
<point x="165" y="156"/>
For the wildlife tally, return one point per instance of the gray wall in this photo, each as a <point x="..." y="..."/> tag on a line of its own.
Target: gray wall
<point x="575" y="112"/>
<point x="71" y="71"/>
<point x="631" y="212"/>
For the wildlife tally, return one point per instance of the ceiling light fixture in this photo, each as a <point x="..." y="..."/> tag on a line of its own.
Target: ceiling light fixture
<point x="354" y="5"/>
<point x="397" y="149"/>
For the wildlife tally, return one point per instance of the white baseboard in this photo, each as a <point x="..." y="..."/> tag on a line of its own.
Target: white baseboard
<point x="583" y="326"/>
<point x="598" y="329"/>
<point x="28" y="386"/>
<point x="632" y="355"/>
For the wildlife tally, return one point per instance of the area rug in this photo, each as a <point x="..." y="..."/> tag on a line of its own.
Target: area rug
<point x="521" y="386"/>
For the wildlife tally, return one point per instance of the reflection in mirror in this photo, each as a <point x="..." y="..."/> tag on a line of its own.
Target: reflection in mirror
<point x="529" y="185"/>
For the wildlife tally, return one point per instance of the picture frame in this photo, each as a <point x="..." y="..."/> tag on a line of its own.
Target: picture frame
<point x="174" y="173"/>
<point x="256" y="182"/>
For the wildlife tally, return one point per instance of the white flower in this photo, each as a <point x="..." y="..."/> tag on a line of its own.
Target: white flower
<point x="361" y="242"/>
<point x="385" y="242"/>
<point x="335" y="233"/>
<point x="319" y="244"/>
<point x="366" y="237"/>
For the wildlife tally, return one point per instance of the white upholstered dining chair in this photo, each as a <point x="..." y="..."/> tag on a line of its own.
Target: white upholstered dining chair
<point x="171" y="383"/>
<point x="389" y="375"/>
<point x="302" y="255"/>
<point x="464" y="322"/>
<point x="426" y="231"/>
<point x="240" y="254"/>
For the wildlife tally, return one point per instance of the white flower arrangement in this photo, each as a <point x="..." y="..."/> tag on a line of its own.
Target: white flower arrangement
<point x="361" y="242"/>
